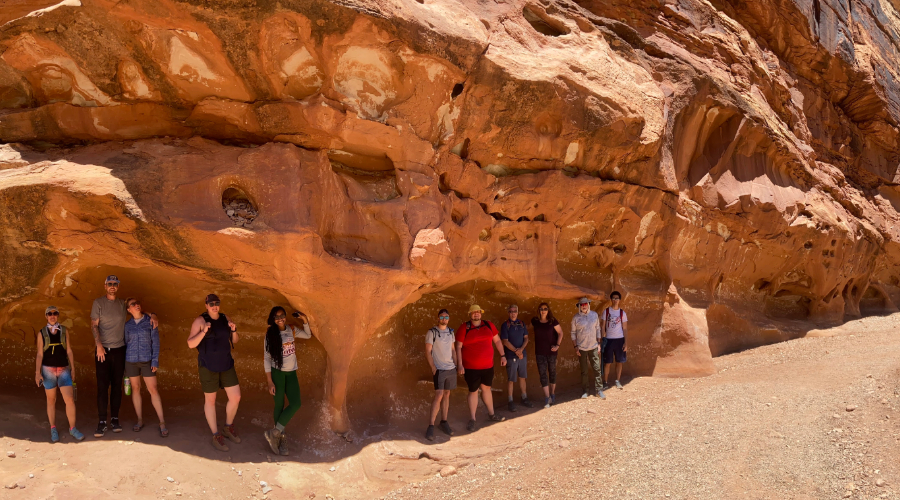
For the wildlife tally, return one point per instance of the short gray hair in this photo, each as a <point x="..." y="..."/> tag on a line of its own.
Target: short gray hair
<point x="511" y="307"/>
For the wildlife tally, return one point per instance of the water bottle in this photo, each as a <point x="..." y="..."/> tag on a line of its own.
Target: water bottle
<point x="127" y="386"/>
<point x="74" y="391"/>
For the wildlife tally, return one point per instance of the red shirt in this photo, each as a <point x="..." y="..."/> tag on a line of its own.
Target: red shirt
<point x="478" y="345"/>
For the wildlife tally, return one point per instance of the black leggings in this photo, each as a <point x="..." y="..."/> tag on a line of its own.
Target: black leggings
<point x="547" y="364"/>
<point x="109" y="381"/>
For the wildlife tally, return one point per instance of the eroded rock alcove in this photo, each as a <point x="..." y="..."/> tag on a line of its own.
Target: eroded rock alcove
<point x="730" y="166"/>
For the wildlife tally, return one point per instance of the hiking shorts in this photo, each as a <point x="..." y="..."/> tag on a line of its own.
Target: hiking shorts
<point x="56" y="376"/>
<point x="445" y="380"/>
<point x="477" y="378"/>
<point x="516" y="368"/>
<point x="213" y="381"/>
<point x="139" y="370"/>
<point x="614" y="351"/>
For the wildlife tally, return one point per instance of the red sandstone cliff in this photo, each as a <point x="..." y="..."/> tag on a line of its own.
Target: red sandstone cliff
<point x="730" y="166"/>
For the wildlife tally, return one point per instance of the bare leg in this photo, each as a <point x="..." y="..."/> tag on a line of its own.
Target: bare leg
<point x="618" y="371"/>
<point x="512" y="387"/>
<point x="546" y="389"/>
<point x="154" y="397"/>
<point x="51" y="405"/>
<point x="523" y="386"/>
<point x="436" y="405"/>
<point x="445" y="406"/>
<point x="136" y="398"/>
<point x="488" y="399"/>
<point x="473" y="404"/>
<point x="606" y="372"/>
<point x="234" y="398"/>
<point x="209" y="408"/>
<point x="69" y="397"/>
<point x="552" y="389"/>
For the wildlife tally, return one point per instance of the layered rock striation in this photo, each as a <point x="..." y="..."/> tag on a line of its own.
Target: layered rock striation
<point x="730" y="166"/>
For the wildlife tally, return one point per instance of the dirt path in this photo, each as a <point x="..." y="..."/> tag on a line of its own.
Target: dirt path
<point x="773" y="423"/>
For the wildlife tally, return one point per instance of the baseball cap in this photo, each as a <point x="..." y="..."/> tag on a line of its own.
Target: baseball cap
<point x="50" y="309"/>
<point x="212" y="298"/>
<point x="112" y="278"/>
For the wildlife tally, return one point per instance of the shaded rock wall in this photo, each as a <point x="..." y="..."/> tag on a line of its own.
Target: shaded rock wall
<point x="731" y="167"/>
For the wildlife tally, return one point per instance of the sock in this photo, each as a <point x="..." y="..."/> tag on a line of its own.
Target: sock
<point x="279" y="427"/>
<point x="70" y="428"/>
<point x="443" y="421"/>
<point x="510" y="398"/>
<point x="52" y="427"/>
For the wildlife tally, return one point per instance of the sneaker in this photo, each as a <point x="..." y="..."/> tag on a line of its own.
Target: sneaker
<point x="282" y="446"/>
<point x="527" y="404"/>
<point x="584" y="396"/>
<point x="101" y="429"/>
<point x="54" y="435"/>
<point x="619" y="385"/>
<point x="429" y="433"/>
<point x="600" y="394"/>
<point x="546" y="402"/>
<point x="273" y="437"/>
<point x="75" y="433"/>
<point x="470" y="426"/>
<point x="496" y="418"/>
<point x="219" y="442"/>
<point x="114" y="424"/>
<point x="231" y="433"/>
<point x="446" y="428"/>
<point x="512" y="406"/>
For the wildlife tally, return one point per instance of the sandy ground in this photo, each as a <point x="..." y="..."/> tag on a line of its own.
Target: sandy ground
<point x="810" y="418"/>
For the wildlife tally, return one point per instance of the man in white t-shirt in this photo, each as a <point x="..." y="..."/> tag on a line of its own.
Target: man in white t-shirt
<point x="614" y="323"/>
<point x="441" y="356"/>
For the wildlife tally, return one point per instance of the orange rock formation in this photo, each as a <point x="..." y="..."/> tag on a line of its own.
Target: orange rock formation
<point x="730" y="166"/>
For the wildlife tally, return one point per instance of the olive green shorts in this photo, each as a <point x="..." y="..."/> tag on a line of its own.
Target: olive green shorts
<point x="212" y="381"/>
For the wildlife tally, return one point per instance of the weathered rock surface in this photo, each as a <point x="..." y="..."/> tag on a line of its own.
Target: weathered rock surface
<point x="730" y="166"/>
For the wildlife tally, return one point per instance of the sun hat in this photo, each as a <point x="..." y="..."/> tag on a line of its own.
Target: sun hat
<point x="476" y="308"/>
<point x="584" y="300"/>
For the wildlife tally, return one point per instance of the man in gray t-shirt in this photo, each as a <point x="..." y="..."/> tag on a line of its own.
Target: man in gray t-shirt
<point x="441" y="358"/>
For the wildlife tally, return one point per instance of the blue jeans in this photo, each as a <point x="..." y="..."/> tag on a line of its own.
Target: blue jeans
<point x="56" y="376"/>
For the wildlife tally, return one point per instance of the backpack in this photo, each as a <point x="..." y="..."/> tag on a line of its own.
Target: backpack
<point x="469" y="327"/>
<point x="45" y="333"/>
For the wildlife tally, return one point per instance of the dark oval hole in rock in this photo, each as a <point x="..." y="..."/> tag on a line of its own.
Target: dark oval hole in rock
<point x="238" y="207"/>
<point x="457" y="89"/>
<point x="542" y="23"/>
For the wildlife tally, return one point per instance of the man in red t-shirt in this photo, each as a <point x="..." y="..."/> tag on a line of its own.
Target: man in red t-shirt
<point x="475" y="340"/>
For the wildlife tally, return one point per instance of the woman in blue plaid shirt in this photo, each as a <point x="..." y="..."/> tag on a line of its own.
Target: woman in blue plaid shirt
<point x="142" y="360"/>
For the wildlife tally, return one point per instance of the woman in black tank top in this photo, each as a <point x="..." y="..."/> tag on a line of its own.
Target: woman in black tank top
<point x="54" y="367"/>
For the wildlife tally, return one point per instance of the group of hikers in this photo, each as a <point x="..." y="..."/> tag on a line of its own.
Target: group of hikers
<point x="469" y="351"/>
<point x="127" y="350"/>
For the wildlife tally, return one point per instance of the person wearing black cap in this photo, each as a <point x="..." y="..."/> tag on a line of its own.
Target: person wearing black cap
<point x="213" y="335"/>
<point x="108" y="318"/>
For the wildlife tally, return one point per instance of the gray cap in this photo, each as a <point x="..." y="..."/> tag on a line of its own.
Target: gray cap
<point x="584" y="300"/>
<point x="50" y="309"/>
<point x="112" y="278"/>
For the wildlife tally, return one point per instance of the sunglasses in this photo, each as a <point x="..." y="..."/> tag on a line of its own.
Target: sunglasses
<point x="214" y="303"/>
<point x="134" y="304"/>
<point x="444" y="317"/>
<point x="54" y="313"/>
<point x="113" y="285"/>
<point x="616" y="298"/>
<point x="543" y="309"/>
<point x="280" y="316"/>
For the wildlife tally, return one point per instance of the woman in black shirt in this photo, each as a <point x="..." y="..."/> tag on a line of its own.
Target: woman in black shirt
<point x="547" y="337"/>
<point x="55" y="367"/>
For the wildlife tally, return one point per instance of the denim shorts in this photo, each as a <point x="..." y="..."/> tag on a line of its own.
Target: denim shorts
<point x="56" y="376"/>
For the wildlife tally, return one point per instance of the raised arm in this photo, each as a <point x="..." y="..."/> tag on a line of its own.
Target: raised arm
<point x="198" y="331"/>
<point x="234" y="335"/>
<point x="304" y="333"/>
<point x="39" y="358"/>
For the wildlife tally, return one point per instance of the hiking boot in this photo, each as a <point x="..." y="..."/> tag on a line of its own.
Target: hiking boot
<point x="470" y="426"/>
<point x="526" y="403"/>
<point x="54" y="435"/>
<point x="231" y="433"/>
<point x="219" y="442"/>
<point x="273" y="437"/>
<point x="114" y="424"/>
<point x="512" y="406"/>
<point x="546" y="402"/>
<point x="584" y="396"/>
<point x="429" y="433"/>
<point x="496" y="418"/>
<point x="282" y="446"/>
<point x="75" y="433"/>
<point x="446" y="428"/>
<point x="600" y="394"/>
<point x="101" y="429"/>
<point x="619" y="385"/>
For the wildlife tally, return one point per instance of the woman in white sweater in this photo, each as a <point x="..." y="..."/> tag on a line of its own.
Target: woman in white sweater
<point x="280" y="361"/>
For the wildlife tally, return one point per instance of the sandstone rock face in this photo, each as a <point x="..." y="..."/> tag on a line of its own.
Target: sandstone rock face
<point x="730" y="166"/>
